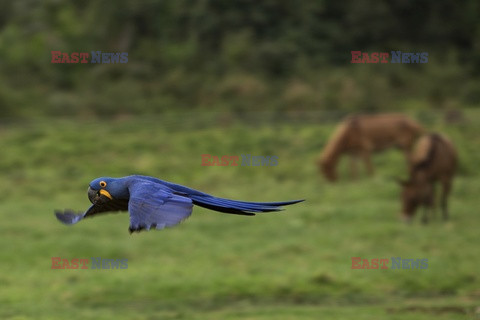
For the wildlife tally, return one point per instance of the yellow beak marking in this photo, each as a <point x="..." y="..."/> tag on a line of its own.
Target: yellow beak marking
<point x="106" y="194"/>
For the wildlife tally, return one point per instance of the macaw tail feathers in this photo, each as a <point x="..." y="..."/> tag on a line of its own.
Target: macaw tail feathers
<point x="238" y="207"/>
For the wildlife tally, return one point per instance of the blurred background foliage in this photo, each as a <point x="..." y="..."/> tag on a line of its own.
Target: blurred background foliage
<point x="238" y="55"/>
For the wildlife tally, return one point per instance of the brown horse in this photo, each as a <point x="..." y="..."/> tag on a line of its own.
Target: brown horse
<point x="361" y="135"/>
<point x="433" y="159"/>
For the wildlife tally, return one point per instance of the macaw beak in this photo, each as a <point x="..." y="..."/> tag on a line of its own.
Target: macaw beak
<point x="96" y="196"/>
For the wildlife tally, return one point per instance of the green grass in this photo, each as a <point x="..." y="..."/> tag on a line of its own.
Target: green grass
<point x="290" y="265"/>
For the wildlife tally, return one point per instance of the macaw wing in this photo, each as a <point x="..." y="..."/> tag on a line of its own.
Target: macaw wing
<point x="70" y="217"/>
<point x="107" y="205"/>
<point x="155" y="206"/>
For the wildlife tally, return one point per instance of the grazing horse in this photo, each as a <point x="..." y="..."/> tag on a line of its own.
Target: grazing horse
<point x="359" y="136"/>
<point x="433" y="159"/>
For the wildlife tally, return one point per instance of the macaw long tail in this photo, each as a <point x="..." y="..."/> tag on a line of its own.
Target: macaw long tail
<point x="238" y="207"/>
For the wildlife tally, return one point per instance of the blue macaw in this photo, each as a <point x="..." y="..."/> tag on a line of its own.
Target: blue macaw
<point x="154" y="203"/>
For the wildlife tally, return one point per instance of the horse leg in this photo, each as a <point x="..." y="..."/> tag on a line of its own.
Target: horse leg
<point x="429" y="204"/>
<point x="353" y="166"/>
<point x="368" y="162"/>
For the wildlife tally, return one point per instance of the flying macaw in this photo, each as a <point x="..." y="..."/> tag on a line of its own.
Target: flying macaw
<point x="154" y="203"/>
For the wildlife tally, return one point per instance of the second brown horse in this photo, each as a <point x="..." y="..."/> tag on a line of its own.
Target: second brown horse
<point x="433" y="160"/>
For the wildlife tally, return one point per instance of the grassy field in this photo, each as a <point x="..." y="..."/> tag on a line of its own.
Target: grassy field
<point x="295" y="264"/>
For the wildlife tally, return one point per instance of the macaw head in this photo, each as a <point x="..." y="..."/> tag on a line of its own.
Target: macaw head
<point x="104" y="189"/>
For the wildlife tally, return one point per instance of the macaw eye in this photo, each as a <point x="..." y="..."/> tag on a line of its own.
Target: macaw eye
<point x="103" y="184"/>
